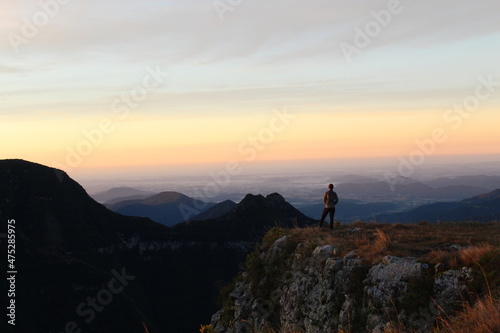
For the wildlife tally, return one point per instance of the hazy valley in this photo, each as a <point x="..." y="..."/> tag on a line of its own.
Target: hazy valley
<point x="362" y="197"/>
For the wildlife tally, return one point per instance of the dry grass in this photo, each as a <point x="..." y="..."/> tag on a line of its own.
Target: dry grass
<point x="382" y="243"/>
<point x="481" y="317"/>
<point x="472" y="254"/>
<point x="463" y="257"/>
<point x="373" y="240"/>
<point x="454" y="244"/>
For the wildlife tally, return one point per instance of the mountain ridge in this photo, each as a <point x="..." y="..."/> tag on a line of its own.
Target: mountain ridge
<point x="70" y="245"/>
<point x="163" y="207"/>
<point x="120" y="192"/>
<point x="482" y="207"/>
<point x="215" y="211"/>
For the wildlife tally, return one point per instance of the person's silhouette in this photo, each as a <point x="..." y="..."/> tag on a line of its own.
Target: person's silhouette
<point x="330" y="199"/>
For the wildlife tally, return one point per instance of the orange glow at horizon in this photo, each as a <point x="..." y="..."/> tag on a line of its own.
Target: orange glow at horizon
<point x="248" y="138"/>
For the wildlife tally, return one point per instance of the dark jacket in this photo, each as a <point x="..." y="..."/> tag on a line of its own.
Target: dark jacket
<point x="330" y="199"/>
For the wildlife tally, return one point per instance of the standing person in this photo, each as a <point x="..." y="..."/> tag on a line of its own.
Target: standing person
<point x="330" y="199"/>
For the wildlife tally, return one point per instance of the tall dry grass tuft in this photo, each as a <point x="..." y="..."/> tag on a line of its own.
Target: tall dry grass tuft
<point x="464" y="257"/>
<point x="472" y="255"/>
<point x="375" y="248"/>
<point x="482" y="317"/>
<point x="438" y="256"/>
<point x="382" y="242"/>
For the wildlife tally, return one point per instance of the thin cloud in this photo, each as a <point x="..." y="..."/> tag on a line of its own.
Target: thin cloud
<point x="192" y="30"/>
<point x="11" y="69"/>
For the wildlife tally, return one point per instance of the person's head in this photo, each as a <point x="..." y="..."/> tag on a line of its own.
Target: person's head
<point x="330" y="186"/>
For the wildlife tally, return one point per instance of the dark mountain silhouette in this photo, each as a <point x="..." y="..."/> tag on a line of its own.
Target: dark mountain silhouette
<point x="484" y="207"/>
<point x="69" y="249"/>
<point x="164" y="207"/>
<point x="120" y="194"/>
<point x="248" y="220"/>
<point x="59" y="231"/>
<point x="216" y="211"/>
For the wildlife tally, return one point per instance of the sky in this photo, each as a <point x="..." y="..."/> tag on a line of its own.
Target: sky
<point x="109" y="85"/>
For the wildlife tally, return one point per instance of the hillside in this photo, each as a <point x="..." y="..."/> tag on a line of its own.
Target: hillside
<point x="383" y="190"/>
<point x="368" y="278"/>
<point x="351" y="210"/>
<point x="59" y="233"/>
<point x="248" y="221"/>
<point x="163" y="207"/>
<point x="69" y="247"/>
<point x="483" y="207"/>
<point x="482" y="181"/>
<point x="215" y="211"/>
<point x="117" y="194"/>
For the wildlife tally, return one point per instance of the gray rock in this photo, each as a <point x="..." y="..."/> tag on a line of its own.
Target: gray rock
<point x="325" y="294"/>
<point x="278" y="245"/>
<point x="325" y="251"/>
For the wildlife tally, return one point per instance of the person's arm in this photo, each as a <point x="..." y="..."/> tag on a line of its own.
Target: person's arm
<point x="325" y="198"/>
<point x="336" y="198"/>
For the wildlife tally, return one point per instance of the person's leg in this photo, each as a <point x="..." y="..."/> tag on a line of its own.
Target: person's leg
<point x="325" y="211"/>
<point x="332" y="214"/>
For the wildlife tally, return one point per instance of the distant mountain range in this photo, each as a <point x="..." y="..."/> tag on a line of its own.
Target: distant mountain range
<point x="117" y="194"/>
<point x="484" y="207"/>
<point x="481" y="181"/>
<point x="361" y="198"/>
<point x="383" y="190"/>
<point x="165" y="207"/>
<point x="72" y="251"/>
<point x="350" y="210"/>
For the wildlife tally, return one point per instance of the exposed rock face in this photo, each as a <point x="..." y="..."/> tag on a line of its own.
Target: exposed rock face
<point x="321" y="293"/>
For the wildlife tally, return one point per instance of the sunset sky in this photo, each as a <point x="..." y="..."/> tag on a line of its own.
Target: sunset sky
<point x="94" y="84"/>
